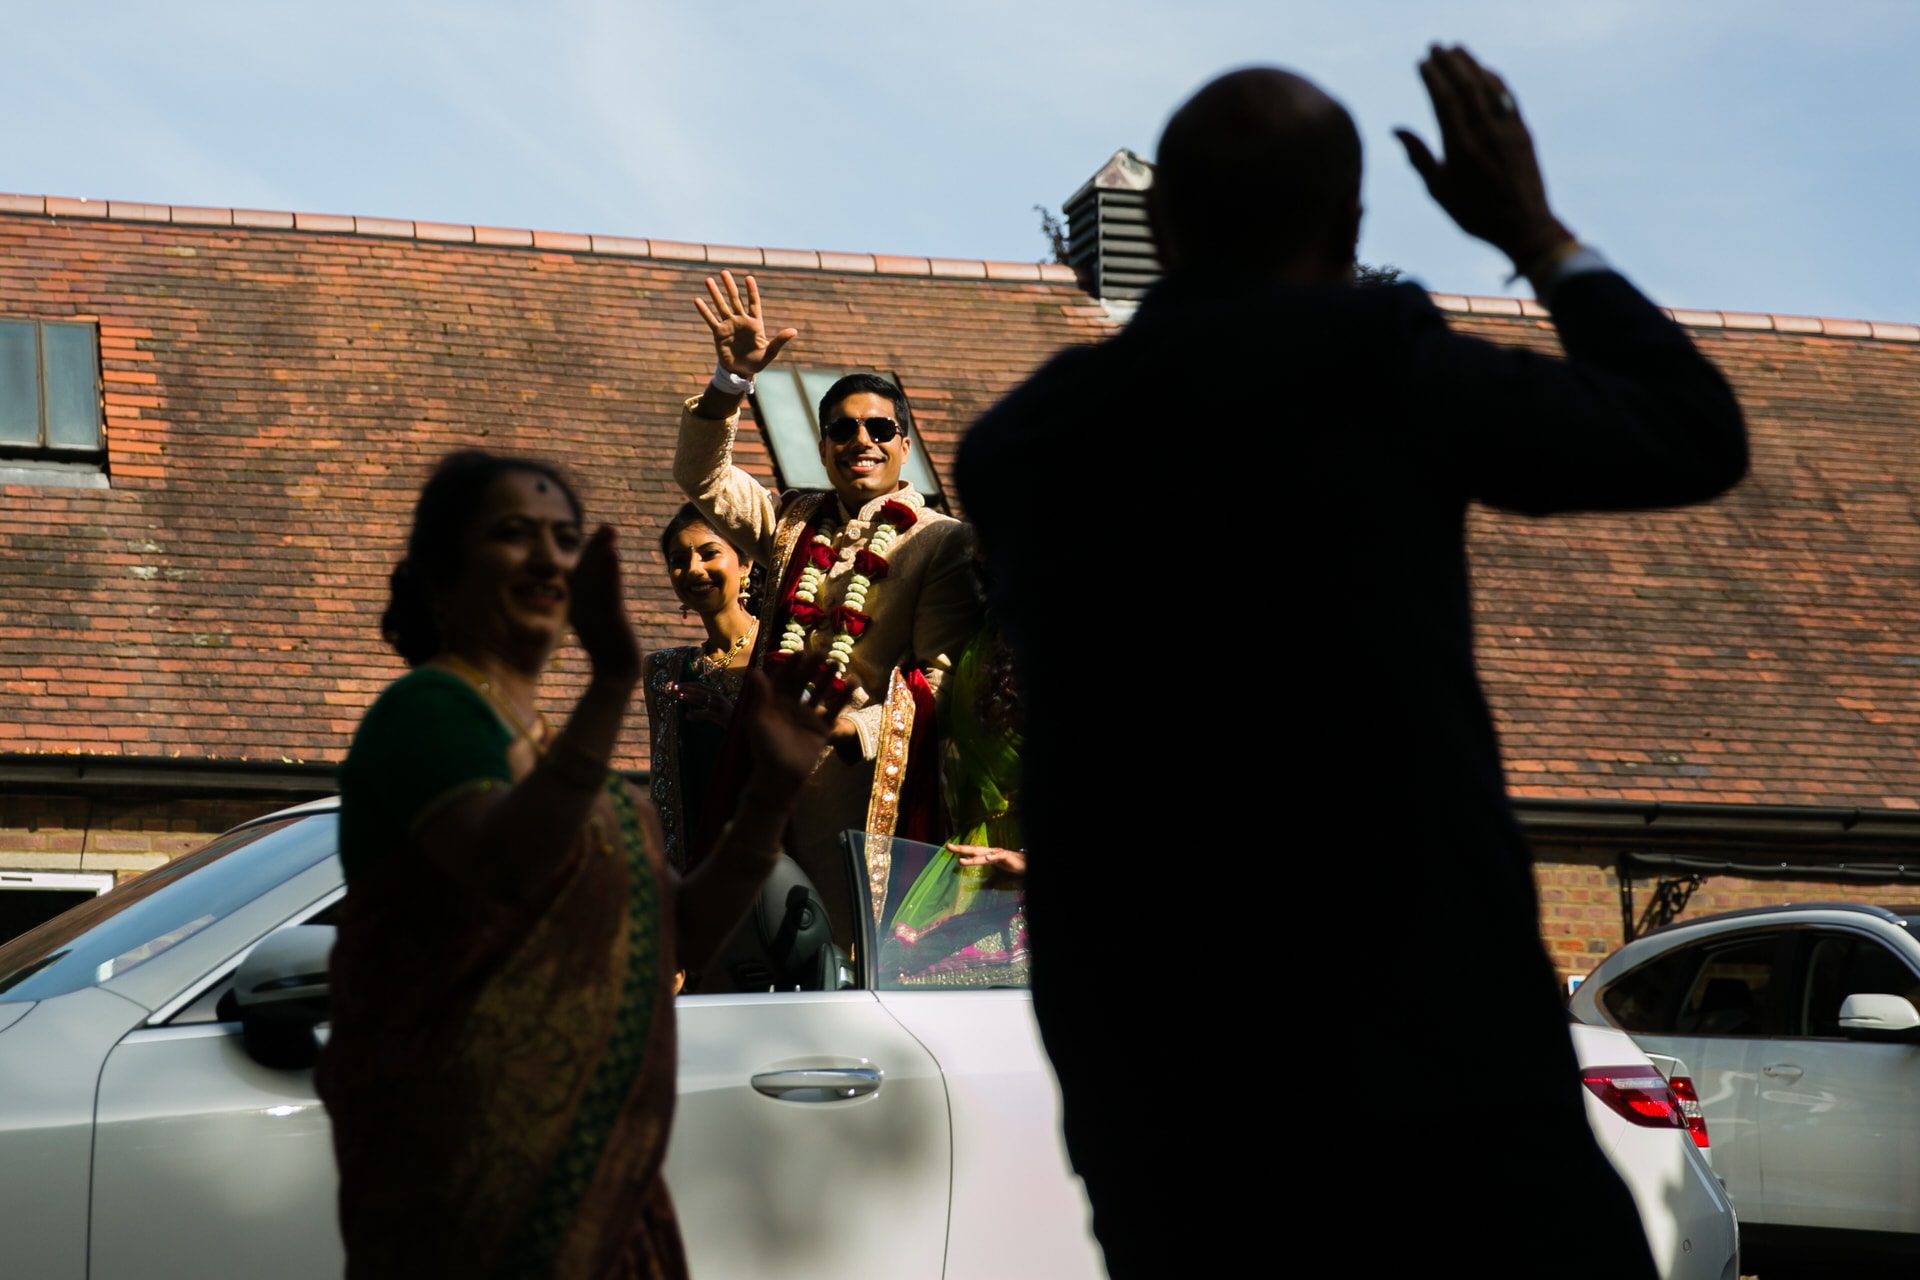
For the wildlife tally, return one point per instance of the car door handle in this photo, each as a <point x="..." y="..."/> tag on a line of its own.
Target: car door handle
<point x="1782" y="1071"/>
<point x="818" y="1084"/>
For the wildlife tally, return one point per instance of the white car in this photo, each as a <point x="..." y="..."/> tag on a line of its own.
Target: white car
<point x="832" y="1133"/>
<point x="1650" y="1127"/>
<point x="1801" y="1029"/>
<point x="157" y="1118"/>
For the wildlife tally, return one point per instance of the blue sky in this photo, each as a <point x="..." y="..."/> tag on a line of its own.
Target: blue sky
<point x="1755" y="156"/>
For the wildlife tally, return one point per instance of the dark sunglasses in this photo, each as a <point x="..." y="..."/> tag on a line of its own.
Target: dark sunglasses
<point x="879" y="430"/>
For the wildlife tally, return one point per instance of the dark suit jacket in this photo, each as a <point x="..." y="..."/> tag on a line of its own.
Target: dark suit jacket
<point x="1227" y="546"/>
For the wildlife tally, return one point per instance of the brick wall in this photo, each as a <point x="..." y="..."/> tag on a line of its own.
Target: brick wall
<point x="125" y="836"/>
<point x="1580" y="901"/>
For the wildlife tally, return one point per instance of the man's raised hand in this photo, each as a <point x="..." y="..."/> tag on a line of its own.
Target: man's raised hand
<point x="739" y="331"/>
<point x="1489" y="179"/>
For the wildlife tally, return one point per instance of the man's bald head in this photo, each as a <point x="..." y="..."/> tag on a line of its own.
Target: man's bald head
<point x="1259" y="171"/>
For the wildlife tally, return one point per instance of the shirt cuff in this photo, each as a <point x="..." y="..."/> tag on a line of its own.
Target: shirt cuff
<point x="867" y="721"/>
<point x="1581" y="261"/>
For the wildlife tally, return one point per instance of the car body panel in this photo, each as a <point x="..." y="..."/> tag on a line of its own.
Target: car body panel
<point x="49" y="1064"/>
<point x="179" y="1102"/>
<point x="1011" y="1178"/>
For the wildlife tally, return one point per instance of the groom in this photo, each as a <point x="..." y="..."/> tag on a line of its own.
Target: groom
<point x="863" y="575"/>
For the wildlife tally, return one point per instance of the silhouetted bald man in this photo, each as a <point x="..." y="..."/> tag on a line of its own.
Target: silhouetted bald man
<point x="1287" y="959"/>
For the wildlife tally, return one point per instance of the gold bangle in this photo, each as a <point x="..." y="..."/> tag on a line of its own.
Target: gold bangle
<point x="573" y="765"/>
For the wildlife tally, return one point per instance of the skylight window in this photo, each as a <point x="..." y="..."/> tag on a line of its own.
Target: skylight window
<point x="49" y="391"/>
<point x="786" y="402"/>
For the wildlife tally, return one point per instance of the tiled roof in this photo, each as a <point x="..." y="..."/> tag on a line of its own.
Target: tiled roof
<point x="1763" y="648"/>
<point x="275" y="396"/>
<point x="719" y="255"/>
<point x="277" y="385"/>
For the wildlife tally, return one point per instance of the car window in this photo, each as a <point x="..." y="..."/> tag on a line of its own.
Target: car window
<point x="216" y="1003"/>
<point x="942" y="925"/>
<point x="1841" y="965"/>
<point x="1710" y="988"/>
<point x="127" y="926"/>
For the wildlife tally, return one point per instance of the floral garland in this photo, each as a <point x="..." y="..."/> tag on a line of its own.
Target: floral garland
<point x="848" y="617"/>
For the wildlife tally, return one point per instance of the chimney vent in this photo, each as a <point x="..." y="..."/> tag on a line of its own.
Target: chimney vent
<point x="1108" y="240"/>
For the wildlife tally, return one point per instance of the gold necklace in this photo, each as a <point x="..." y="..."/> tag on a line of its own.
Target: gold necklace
<point x="478" y="679"/>
<point x="474" y="676"/>
<point x="703" y="665"/>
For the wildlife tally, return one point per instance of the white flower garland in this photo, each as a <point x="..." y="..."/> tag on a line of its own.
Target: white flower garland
<point x="812" y="578"/>
<point x="841" y="652"/>
<point x="806" y="590"/>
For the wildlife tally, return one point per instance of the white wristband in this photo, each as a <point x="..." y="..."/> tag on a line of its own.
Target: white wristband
<point x="732" y="383"/>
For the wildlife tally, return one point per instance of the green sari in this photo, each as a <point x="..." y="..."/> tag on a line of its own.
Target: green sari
<point x="956" y="925"/>
<point x="500" y="1078"/>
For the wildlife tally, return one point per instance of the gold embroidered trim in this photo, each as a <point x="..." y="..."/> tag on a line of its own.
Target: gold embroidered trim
<point x="458" y="791"/>
<point x="889" y="772"/>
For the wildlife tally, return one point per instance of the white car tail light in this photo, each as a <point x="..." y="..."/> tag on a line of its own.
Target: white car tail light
<point x="1690" y="1109"/>
<point x="1641" y="1095"/>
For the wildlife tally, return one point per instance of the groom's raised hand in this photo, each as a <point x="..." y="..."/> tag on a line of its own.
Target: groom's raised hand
<point x="739" y="330"/>
<point x="740" y="338"/>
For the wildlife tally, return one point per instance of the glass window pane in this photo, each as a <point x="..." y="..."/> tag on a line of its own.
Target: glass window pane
<point x="1648" y="999"/>
<point x="917" y="472"/>
<point x="73" y="405"/>
<point x="1841" y="965"/>
<point x="19" y="384"/>
<point x="942" y="925"/>
<point x="128" y="926"/>
<point x="1729" y="994"/>
<point x="787" y="424"/>
<point x="816" y="382"/>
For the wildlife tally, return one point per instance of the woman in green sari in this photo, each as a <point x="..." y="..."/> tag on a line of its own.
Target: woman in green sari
<point x="500" y="1074"/>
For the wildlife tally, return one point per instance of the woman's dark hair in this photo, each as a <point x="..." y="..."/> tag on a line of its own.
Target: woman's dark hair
<point x="868" y="384"/>
<point x="448" y="503"/>
<point x="686" y="518"/>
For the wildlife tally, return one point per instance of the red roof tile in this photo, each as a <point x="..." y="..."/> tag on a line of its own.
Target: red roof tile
<point x="623" y="246"/>
<point x="503" y="237"/>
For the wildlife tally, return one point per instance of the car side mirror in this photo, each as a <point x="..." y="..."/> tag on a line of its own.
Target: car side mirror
<point x="280" y="991"/>
<point x="1873" y="1016"/>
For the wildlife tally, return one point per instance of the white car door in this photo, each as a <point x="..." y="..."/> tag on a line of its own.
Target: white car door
<point x="208" y="1164"/>
<point x="811" y="1139"/>
<point x="1840" y="1145"/>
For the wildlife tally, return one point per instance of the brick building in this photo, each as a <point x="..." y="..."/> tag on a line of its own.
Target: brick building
<point x="229" y="413"/>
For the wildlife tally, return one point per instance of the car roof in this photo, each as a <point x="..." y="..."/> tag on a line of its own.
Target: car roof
<point x="1892" y="914"/>
<point x="325" y="804"/>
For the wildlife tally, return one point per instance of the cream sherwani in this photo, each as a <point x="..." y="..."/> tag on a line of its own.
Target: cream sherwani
<point x="922" y="612"/>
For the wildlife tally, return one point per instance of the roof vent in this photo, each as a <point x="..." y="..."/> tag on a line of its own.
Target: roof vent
<point x="1108" y="240"/>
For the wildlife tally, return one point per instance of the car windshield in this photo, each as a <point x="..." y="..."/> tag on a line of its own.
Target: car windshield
<point x="132" y="924"/>
<point x="942" y="924"/>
